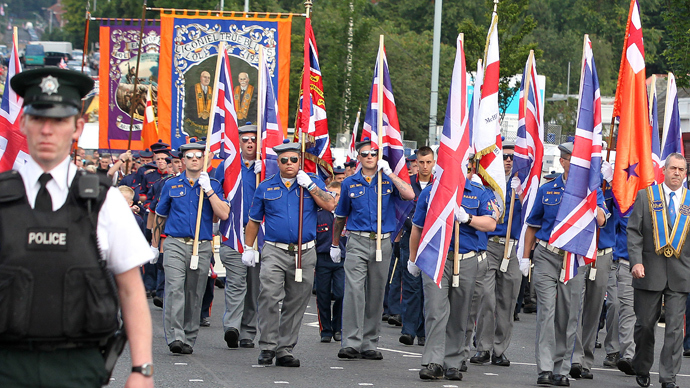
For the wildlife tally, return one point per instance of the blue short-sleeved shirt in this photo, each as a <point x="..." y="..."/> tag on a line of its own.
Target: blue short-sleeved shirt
<point x="607" y="234"/>
<point x="248" y="185"/>
<point x="280" y="206"/>
<point x="359" y="201"/>
<point x="476" y="200"/>
<point x="179" y="202"/>
<point x="621" y="251"/>
<point x="516" y="227"/>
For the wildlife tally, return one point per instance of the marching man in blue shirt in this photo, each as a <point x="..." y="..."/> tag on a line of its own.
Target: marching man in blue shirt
<point x="276" y="201"/>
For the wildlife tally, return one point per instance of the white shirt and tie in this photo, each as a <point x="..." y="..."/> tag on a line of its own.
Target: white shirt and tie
<point x="673" y="201"/>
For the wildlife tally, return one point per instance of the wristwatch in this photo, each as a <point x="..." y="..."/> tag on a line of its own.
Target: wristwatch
<point x="145" y="369"/>
<point x="469" y="219"/>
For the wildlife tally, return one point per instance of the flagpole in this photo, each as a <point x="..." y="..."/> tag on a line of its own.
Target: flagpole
<point x="456" y="228"/>
<point x="379" y="126"/>
<point x="136" y="77"/>
<point x="86" y="43"/>
<point x="194" y="263"/>
<point x="260" y="108"/>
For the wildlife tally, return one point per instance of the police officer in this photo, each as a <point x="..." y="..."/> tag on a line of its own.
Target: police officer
<point x="555" y="315"/>
<point x="176" y="215"/>
<point x="502" y="281"/>
<point x="241" y="282"/>
<point x="365" y="278"/>
<point x="277" y="201"/>
<point x="49" y="250"/>
<point x="447" y="308"/>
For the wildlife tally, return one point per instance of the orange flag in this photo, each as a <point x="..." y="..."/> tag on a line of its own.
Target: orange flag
<point x="149" y="132"/>
<point x="633" y="169"/>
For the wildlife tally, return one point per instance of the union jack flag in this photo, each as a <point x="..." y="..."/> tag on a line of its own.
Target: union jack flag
<point x="13" y="149"/>
<point x="387" y="139"/>
<point x="575" y="228"/>
<point x="225" y="139"/>
<point x="315" y="124"/>
<point x="529" y="145"/>
<point x="654" y="123"/>
<point x="672" y="139"/>
<point x="447" y="192"/>
<point x="271" y="129"/>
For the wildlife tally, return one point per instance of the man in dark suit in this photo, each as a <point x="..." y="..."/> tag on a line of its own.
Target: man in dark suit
<point x="660" y="266"/>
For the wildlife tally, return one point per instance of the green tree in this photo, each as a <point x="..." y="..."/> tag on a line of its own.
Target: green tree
<point x="677" y="19"/>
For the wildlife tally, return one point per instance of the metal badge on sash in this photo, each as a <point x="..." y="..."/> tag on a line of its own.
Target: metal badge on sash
<point x="663" y="244"/>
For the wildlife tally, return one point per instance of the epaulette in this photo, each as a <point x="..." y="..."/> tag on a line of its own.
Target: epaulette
<point x="11" y="186"/>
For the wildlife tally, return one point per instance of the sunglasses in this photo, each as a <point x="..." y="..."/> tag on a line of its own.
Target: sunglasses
<point x="508" y="156"/>
<point x="373" y="153"/>
<point x="192" y="155"/>
<point x="247" y="138"/>
<point x="293" y="159"/>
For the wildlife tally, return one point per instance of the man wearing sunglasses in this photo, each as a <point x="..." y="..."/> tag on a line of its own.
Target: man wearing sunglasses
<point x="176" y="215"/>
<point x="365" y="278"/>
<point x="241" y="282"/>
<point x="276" y="202"/>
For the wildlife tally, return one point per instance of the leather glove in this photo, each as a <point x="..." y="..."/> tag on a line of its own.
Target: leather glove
<point x="257" y="167"/>
<point x="607" y="171"/>
<point x="516" y="185"/>
<point x="248" y="256"/>
<point x="155" y="252"/>
<point x="303" y="179"/>
<point x="461" y="215"/>
<point x="524" y="266"/>
<point x="413" y="269"/>
<point x="335" y="254"/>
<point x="384" y="166"/>
<point x="205" y="181"/>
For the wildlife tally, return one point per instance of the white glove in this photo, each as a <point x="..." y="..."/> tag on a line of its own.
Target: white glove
<point x="461" y="215"/>
<point x="477" y="179"/>
<point x="257" y="167"/>
<point x="216" y="228"/>
<point x="413" y="269"/>
<point x="607" y="171"/>
<point x="515" y="185"/>
<point x="383" y="165"/>
<point x="303" y="179"/>
<point x="524" y="266"/>
<point x="335" y="254"/>
<point x="205" y="181"/>
<point x="155" y="252"/>
<point x="248" y="256"/>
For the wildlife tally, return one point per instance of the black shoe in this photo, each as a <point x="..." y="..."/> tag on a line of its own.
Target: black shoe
<point x="219" y="283"/>
<point x="338" y="336"/>
<point x="501" y="360"/>
<point x="246" y="343"/>
<point x="266" y="357"/>
<point x="587" y="374"/>
<point x="372" y="355"/>
<point x="463" y="366"/>
<point x="625" y="365"/>
<point x="288" y="361"/>
<point x="349" y="353"/>
<point x="406" y="339"/>
<point x="545" y="378"/>
<point x="561" y="381"/>
<point x="611" y="360"/>
<point x="431" y="372"/>
<point x="421" y="341"/>
<point x="529" y="309"/>
<point x="395" y="320"/>
<point x="597" y="345"/>
<point x="669" y="385"/>
<point x="187" y="349"/>
<point x="576" y="371"/>
<point x="516" y="317"/>
<point x="205" y="322"/>
<point x="642" y="381"/>
<point x="686" y="353"/>
<point x="452" y="374"/>
<point x="385" y="317"/>
<point x="158" y="301"/>
<point x="326" y="339"/>
<point x="176" y="346"/>
<point x="480" y="357"/>
<point x="231" y="336"/>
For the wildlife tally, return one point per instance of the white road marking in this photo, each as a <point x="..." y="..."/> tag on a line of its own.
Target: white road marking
<point x="414" y="369"/>
<point x="310" y="314"/>
<point x="412" y="355"/>
<point x="490" y="374"/>
<point x="258" y="366"/>
<point x="366" y="384"/>
<point x="197" y="380"/>
<point x="281" y="382"/>
<point x="450" y="386"/>
<point x="336" y="367"/>
<point x="180" y="363"/>
<point x="401" y="351"/>
<point x="312" y="324"/>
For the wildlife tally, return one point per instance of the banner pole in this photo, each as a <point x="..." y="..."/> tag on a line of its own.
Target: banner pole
<point x="379" y="126"/>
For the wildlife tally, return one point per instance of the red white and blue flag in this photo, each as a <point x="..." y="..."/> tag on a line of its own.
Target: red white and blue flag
<point x="654" y="124"/>
<point x="351" y="152"/>
<point x="13" y="149"/>
<point x="449" y="184"/>
<point x="575" y="229"/>
<point x="529" y="145"/>
<point x="476" y="100"/>
<point x="317" y="157"/>
<point x="672" y="140"/>
<point x="271" y="129"/>
<point x="225" y="140"/>
<point x="387" y="139"/>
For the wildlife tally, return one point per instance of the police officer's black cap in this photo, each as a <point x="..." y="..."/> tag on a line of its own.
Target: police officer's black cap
<point x="360" y="144"/>
<point x="160" y="148"/>
<point x="146" y="153"/>
<point x="168" y="160"/>
<point x="51" y="91"/>
<point x="199" y="145"/>
<point x="247" y="129"/>
<point x="338" y="170"/>
<point x="566" y="148"/>
<point x="287" y="146"/>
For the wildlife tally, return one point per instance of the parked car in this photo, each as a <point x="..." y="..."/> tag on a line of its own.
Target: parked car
<point x="76" y="66"/>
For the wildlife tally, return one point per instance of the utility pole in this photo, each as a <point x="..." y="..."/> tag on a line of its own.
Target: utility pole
<point x="348" y="72"/>
<point x="433" y="103"/>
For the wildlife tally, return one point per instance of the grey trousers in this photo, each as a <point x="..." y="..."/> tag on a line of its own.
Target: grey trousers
<point x="591" y="302"/>
<point x="475" y="306"/>
<point x="365" y="286"/>
<point x="495" y="323"/>
<point x="184" y="289"/>
<point x="279" y="326"/>
<point x="241" y="293"/>
<point x="647" y="311"/>
<point x="626" y="315"/>
<point x="446" y="310"/>
<point x="555" y="328"/>
<point x="611" y="343"/>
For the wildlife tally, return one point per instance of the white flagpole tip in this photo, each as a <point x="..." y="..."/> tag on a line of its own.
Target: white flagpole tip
<point x="298" y="275"/>
<point x="379" y="255"/>
<point x="194" y="262"/>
